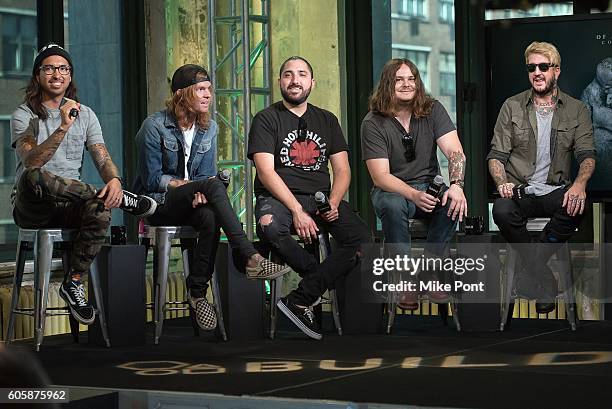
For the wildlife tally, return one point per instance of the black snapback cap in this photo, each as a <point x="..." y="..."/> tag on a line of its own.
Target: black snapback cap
<point x="187" y="75"/>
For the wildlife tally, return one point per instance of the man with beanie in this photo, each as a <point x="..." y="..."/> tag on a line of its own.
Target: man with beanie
<point x="49" y="132"/>
<point x="176" y="166"/>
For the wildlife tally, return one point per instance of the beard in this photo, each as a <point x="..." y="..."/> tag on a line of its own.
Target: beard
<point x="548" y="89"/>
<point x="293" y="100"/>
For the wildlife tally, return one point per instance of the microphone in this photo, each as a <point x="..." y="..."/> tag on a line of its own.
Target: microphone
<point x="224" y="176"/>
<point x="435" y="187"/>
<point x="322" y="202"/>
<point x="73" y="112"/>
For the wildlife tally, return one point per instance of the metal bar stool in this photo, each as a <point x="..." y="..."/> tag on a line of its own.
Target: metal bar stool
<point x="323" y="247"/>
<point x="566" y="279"/>
<point x="418" y="229"/>
<point x="41" y="241"/>
<point x="160" y="237"/>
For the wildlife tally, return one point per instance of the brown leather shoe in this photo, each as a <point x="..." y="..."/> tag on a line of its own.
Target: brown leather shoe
<point x="408" y="301"/>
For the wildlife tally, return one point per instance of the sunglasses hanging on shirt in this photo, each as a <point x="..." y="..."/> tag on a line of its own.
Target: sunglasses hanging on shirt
<point x="407" y="140"/>
<point x="301" y="131"/>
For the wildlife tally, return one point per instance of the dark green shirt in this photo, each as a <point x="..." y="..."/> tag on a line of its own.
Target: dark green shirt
<point x="514" y="141"/>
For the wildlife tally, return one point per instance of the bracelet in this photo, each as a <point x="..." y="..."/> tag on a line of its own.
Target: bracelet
<point x="458" y="183"/>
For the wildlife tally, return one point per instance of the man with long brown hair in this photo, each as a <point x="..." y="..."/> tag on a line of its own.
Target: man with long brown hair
<point x="399" y="140"/>
<point x="177" y="165"/>
<point x="49" y="132"/>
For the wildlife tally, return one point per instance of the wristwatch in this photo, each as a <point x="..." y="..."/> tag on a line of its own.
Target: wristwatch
<point x="457" y="182"/>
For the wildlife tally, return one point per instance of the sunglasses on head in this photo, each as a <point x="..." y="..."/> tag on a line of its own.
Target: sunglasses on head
<point x="543" y="66"/>
<point x="301" y="131"/>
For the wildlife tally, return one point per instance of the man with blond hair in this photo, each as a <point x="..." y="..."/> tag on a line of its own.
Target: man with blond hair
<point x="536" y="134"/>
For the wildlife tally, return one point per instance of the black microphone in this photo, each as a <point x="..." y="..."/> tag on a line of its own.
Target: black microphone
<point x="435" y="187"/>
<point x="322" y="202"/>
<point x="224" y="176"/>
<point x="73" y="112"/>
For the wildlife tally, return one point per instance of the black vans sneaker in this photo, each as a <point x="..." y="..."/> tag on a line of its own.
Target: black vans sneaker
<point x="138" y="205"/>
<point x="73" y="292"/>
<point x="300" y="316"/>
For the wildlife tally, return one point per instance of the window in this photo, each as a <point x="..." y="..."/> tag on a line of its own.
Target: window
<point x="540" y="10"/>
<point x="7" y="168"/>
<point x="410" y="8"/>
<point x="18" y="42"/>
<point x="446" y="11"/>
<point x="419" y="57"/>
<point x="447" y="74"/>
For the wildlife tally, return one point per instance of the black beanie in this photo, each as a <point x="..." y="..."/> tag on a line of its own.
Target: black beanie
<point x="47" y="51"/>
<point x="187" y="75"/>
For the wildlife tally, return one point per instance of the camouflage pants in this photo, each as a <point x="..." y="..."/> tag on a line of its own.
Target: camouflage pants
<point x="44" y="200"/>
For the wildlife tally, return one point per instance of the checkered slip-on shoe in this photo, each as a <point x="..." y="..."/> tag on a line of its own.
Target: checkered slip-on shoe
<point x="266" y="270"/>
<point x="204" y="313"/>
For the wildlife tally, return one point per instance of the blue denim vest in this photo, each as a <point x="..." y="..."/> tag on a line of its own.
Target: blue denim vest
<point x="161" y="156"/>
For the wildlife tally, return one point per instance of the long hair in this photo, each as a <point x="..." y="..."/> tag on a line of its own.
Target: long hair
<point x="382" y="99"/>
<point x="180" y="106"/>
<point x="33" y="96"/>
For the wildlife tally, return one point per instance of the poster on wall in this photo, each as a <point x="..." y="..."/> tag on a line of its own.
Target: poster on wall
<point x="585" y="45"/>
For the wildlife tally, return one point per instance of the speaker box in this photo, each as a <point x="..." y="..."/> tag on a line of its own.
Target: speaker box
<point x="121" y="271"/>
<point x="241" y="299"/>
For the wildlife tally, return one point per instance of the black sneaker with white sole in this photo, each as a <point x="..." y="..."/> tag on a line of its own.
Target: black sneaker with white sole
<point x="303" y="317"/>
<point x="73" y="292"/>
<point x="205" y="314"/>
<point x="138" y="205"/>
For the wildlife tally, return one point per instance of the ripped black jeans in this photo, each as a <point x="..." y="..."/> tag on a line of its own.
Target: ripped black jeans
<point x="349" y="232"/>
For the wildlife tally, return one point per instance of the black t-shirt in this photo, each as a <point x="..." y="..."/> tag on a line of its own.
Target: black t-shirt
<point x="301" y="165"/>
<point x="381" y="138"/>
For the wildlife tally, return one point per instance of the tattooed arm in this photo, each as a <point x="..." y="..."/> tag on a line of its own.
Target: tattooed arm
<point x="32" y="154"/>
<point x="587" y="167"/>
<point x="451" y="147"/>
<point x="112" y="192"/>
<point x="103" y="162"/>
<point x="498" y="173"/>
<point x="456" y="166"/>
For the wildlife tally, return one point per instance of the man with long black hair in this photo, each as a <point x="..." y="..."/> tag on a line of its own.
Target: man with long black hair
<point x="49" y="133"/>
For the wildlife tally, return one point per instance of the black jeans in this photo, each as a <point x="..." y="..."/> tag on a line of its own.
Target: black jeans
<point x="177" y="210"/>
<point x="349" y="232"/>
<point x="511" y="216"/>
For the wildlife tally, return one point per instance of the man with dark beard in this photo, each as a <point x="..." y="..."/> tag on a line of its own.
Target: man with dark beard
<point x="530" y="160"/>
<point x="291" y="143"/>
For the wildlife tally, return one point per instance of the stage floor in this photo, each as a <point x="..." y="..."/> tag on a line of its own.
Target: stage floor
<point x="535" y="364"/>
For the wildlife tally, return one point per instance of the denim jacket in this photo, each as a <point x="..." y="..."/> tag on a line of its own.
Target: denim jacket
<point x="161" y="157"/>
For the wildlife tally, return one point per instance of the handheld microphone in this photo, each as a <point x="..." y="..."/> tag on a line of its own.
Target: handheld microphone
<point x="322" y="202"/>
<point x="224" y="176"/>
<point x="73" y="112"/>
<point x="435" y="187"/>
